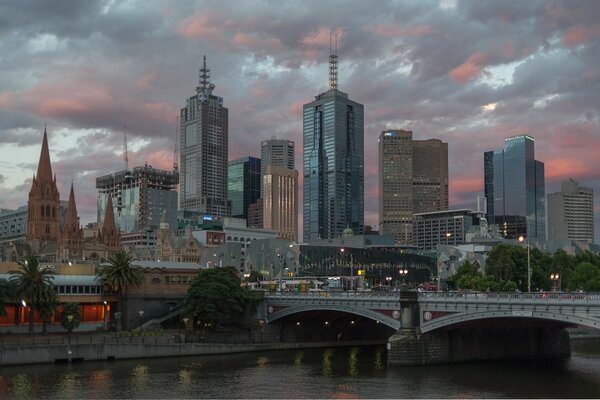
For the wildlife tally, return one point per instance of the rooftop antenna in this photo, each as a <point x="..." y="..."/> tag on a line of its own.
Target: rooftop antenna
<point x="332" y="60"/>
<point x="176" y="148"/>
<point x="205" y="88"/>
<point x="126" y="159"/>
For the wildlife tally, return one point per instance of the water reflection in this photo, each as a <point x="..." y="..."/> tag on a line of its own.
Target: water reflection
<point x="22" y="387"/>
<point x="327" y="371"/>
<point x="298" y="358"/>
<point x="262" y="361"/>
<point x="353" y="362"/>
<point x="379" y="360"/>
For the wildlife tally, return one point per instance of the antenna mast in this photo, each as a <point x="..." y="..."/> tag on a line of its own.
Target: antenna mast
<point x="126" y="159"/>
<point x="333" y="60"/>
<point x="176" y="148"/>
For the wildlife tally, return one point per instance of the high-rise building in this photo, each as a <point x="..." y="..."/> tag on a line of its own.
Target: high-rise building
<point x="244" y="185"/>
<point x="571" y="213"/>
<point x="277" y="152"/>
<point x="280" y="187"/>
<point x="413" y="178"/>
<point x="333" y="192"/>
<point x="280" y="201"/>
<point x="203" y="150"/>
<point x="448" y="227"/>
<point x="140" y="197"/>
<point x="514" y="189"/>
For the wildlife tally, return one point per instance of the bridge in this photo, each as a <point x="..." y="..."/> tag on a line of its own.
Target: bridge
<point x="447" y="326"/>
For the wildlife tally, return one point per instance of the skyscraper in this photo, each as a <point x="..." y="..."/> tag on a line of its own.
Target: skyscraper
<point x="413" y="178"/>
<point x="514" y="189"/>
<point x="280" y="188"/>
<point x="203" y="148"/>
<point x="571" y="213"/>
<point x="244" y="185"/>
<point x="333" y="163"/>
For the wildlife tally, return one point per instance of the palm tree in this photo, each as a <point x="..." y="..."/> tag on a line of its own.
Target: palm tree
<point x="70" y="317"/>
<point x="47" y="308"/>
<point x="121" y="275"/>
<point x="33" y="284"/>
<point x="3" y="296"/>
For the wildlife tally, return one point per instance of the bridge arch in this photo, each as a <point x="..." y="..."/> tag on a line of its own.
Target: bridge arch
<point x="458" y="318"/>
<point x="363" y="312"/>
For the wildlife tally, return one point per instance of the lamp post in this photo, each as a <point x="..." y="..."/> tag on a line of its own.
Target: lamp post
<point x="117" y="320"/>
<point x="141" y="314"/>
<point x="524" y="239"/>
<point x="388" y="282"/>
<point x="105" y="324"/>
<point x="403" y="271"/>
<point x="343" y="250"/>
<point x="555" y="277"/>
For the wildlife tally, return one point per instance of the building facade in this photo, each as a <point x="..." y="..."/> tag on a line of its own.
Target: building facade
<point x="448" y="227"/>
<point x="571" y="213"/>
<point x="204" y="151"/>
<point x="244" y="185"/>
<point x="277" y="152"/>
<point x="515" y="189"/>
<point x="13" y="224"/>
<point x="413" y="178"/>
<point x="280" y="201"/>
<point x="140" y="196"/>
<point x="333" y="162"/>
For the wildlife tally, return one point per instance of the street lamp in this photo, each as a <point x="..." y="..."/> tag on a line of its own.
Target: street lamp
<point x="105" y="308"/>
<point x="141" y="314"/>
<point x="388" y="281"/>
<point x="403" y="273"/>
<point x="555" y="278"/>
<point x="523" y="239"/>
<point x="117" y="320"/>
<point x="343" y="250"/>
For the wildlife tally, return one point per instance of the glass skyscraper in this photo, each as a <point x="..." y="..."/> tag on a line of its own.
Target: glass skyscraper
<point x="203" y="145"/>
<point x="243" y="185"/>
<point x="333" y="163"/>
<point x="515" y="190"/>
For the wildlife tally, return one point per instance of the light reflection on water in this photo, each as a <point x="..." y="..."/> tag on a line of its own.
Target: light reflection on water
<point x="354" y="372"/>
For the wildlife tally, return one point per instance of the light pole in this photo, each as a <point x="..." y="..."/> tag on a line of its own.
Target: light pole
<point x="105" y="324"/>
<point x="555" y="277"/>
<point x="343" y="250"/>
<point x="141" y="314"/>
<point x="117" y="320"/>
<point x="403" y="271"/>
<point x="524" y="239"/>
<point x="388" y="282"/>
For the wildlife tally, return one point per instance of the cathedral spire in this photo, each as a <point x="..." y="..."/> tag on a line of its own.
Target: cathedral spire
<point x="44" y="171"/>
<point x="71" y="218"/>
<point x="109" y="216"/>
<point x="110" y="234"/>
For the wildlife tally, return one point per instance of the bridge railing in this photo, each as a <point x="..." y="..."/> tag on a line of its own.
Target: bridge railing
<point x="487" y="296"/>
<point x="347" y="294"/>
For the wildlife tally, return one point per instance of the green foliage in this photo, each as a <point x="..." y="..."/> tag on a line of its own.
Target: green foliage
<point x="70" y="316"/>
<point x="33" y="283"/>
<point x="254" y="276"/>
<point x="214" y="296"/>
<point x="3" y="296"/>
<point x="586" y="276"/>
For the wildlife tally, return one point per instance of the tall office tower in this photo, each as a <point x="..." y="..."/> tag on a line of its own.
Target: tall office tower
<point x="140" y="197"/>
<point x="514" y="189"/>
<point x="277" y="152"/>
<point x="413" y="178"/>
<point x="571" y="213"/>
<point x="333" y="163"/>
<point x="280" y="201"/>
<point x="203" y="151"/>
<point x="396" y="184"/>
<point x="244" y="185"/>
<point x="43" y="211"/>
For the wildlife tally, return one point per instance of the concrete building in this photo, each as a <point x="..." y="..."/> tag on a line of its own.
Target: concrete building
<point x="277" y="152"/>
<point x="139" y="196"/>
<point x="571" y="213"/>
<point x="243" y="185"/>
<point x="333" y="127"/>
<point x="413" y="178"/>
<point x="448" y="227"/>
<point x="280" y="201"/>
<point x="204" y="151"/>
<point x="515" y="189"/>
<point x="13" y="224"/>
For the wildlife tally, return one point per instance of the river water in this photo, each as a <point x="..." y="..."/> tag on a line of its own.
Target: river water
<point x="352" y="372"/>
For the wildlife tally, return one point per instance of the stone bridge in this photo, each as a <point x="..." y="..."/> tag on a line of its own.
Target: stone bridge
<point x="437" y="327"/>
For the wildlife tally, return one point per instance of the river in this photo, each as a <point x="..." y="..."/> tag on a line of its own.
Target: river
<point x="352" y="372"/>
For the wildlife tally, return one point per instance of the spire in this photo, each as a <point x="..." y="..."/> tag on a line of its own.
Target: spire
<point x="71" y="218"/>
<point x="44" y="172"/>
<point x="205" y="89"/>
<point x="126" y="159"/>
<point x="109" y="216"/>
<point x="332" y="60"/>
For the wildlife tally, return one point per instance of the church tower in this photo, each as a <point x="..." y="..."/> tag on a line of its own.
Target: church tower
<point x="43" y="210"/>
<point x="109" y="234"/>
<point x="71" y="242"/>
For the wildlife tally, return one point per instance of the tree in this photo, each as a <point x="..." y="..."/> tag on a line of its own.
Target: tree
<point x="47" y="308"/>
<point x="214" y="296"/>
<point x="33" y="284"/>
<point x="121" y="275"/>
<point x="586" y="276"/>
<point x="3" y="296"/>
<point x="70" y="317"/>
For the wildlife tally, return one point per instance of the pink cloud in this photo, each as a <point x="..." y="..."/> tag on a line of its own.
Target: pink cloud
<point x="579" y="34"/>
<point x="260" y="89"/>
<point x="470" y="69"/>
<point x="147" y="80"/>
<point x="250" y="42"/>
<point x="297" y="108"/>
<point x="394" y="30"/>
<point x="199" y="26"/>
<point x="320" y="37"/>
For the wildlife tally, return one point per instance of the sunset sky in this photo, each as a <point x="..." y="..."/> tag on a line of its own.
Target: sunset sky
<point x="469" y="73"/>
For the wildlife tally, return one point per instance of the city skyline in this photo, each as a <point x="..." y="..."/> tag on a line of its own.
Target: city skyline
<point x="469" y="74"/>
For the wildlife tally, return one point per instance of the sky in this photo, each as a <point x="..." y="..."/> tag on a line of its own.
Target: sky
<point x="470" y="73"/>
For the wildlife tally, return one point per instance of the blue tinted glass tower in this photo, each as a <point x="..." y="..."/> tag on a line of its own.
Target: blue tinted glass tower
<point x="333" y="163"/>
<point x="514" y="189"/>
<point x="243" y="186"/>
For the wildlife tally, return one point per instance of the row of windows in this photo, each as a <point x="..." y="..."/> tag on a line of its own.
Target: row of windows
<point x="78" y="289"/>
